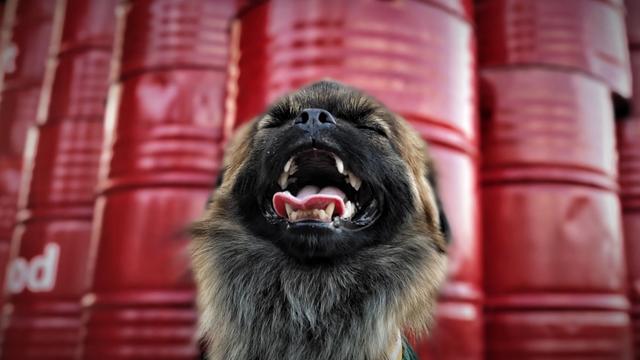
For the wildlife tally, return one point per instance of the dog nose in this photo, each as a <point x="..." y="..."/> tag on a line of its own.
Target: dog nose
<point x="313" y="119"/>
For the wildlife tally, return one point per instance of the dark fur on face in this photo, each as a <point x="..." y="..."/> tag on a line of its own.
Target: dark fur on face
<point x="270" y="287"/>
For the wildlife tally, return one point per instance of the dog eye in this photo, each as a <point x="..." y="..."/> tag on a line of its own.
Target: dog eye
<point x="270" y="123"/>
<point x="377" y="130"/>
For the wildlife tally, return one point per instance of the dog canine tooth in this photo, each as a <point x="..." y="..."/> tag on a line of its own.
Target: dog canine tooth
<point x="289" y="210"/>
<point x="348" y="210"/>
<point x="287" y="166"/>
<point x="329" y="210"/>
<point x="282" y="181"/>
<point x="339" y="164"/>
<point x="355" y="181"/>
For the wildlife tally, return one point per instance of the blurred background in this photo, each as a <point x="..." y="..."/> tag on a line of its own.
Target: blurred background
<point x="114" y="115"/>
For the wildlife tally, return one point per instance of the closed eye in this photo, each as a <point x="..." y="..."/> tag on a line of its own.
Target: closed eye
<point x="377" y="130"/>
<point x="270" y="123"/>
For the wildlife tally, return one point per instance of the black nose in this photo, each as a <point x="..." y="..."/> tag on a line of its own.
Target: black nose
<point x="314" y="119"/>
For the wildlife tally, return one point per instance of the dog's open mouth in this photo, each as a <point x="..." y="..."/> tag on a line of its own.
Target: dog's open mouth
<point x="318" y="187"/>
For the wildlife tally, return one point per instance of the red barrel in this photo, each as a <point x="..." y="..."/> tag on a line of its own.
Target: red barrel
<point x="532" y="133"/>
<point x="463" y="8"/>
<point x="26" y="36"/>
<point x="28" y="47"/>
<point x="47" y="276"/>
<point x="18" y="109"/>
<point x="167" y="34"/>
<point x="88" y="24"/>
<point x="629" y="149"/>
<point x="582" y="35"/>
<point x="633" y="23"/>
<point x="161" y="155"/>
<point x="554" y="260"/>
<point x="417" y="58"/>
<point x="18" y="112"/>
<point x="635" y="67"/>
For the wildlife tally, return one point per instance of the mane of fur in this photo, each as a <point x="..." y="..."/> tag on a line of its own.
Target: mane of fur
<point x="258" y="303"/>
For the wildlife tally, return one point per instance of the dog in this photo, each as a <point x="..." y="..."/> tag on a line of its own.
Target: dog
<point x="325" y="238"/>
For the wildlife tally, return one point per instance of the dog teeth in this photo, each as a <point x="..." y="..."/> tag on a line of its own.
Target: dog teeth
<point x="349" y="209"/>
<point x="319" y="214"/>
<point x="289" y="169"/>
<point x="355" y="181"/>
<point x="329" y="210"/>
<point x="339" y="164"/>
<point x="287" y="166"/>
<point x="283" y="180"/>
<point x="289" y="210"/>
<point x="322" y="215"/>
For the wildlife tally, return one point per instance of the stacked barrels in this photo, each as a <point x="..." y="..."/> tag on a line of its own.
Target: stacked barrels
<point x="629" y="148"/>
<point x="162" y="150"/>
<point x="26" y="35"/>
<point x="629" y="166"/>
<point x="50" y="258"/>
<point x="417" y="58"/>
<point x="553" y="252"/>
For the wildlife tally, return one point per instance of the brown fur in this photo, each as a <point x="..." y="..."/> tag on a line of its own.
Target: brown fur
<point x="257" y="302"/>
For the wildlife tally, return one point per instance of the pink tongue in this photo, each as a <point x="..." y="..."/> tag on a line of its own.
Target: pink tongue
<point x="309" y="198"/>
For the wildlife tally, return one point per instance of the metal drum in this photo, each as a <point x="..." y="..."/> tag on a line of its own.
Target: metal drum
<point x="28" y="47"/>
<point x="545" y="125"/>
<point x="196" y="38"/>
<point x="553" y="257"/>
<point x="633" y="23"/>
<point x="581" y="35"/>
<point x="462" y="8"/>
<point x="416" y="57"/>
<point x="635" y="66"/>
<point x="629" y="149"/>
<point x="164" y="130"/>
<point x="47" y="276"/>
<point x="23" y="67"/>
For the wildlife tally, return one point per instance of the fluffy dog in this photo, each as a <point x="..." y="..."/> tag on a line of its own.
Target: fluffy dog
<point x="325" y="237"/>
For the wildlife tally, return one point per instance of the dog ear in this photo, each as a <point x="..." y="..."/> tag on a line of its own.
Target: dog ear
<point x="445" y="229"/>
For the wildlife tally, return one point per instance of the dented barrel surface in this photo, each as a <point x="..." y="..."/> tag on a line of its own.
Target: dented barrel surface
<point x="553" y="256"/>
<point x="532" y="116"/>
<point x="402" y="53"/>
<point x="577" y="35"/>
<point x="164" y="34"/>
<point x="47" y="275"/>
<point x="162" y="151"/>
